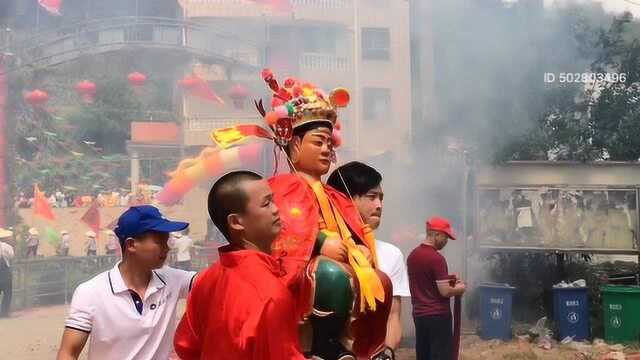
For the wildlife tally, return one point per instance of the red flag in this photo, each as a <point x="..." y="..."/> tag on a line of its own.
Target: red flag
<point x="41" y="205"/>
<point x="199" y="87"/>
<point x="92" y="217"/>
<point x="52" y="6"/>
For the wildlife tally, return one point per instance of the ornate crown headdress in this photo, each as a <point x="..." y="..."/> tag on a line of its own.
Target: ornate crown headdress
<point x="295" y="104"/>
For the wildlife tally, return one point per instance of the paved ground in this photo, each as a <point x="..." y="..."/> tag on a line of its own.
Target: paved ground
<point x="35" y="334"/>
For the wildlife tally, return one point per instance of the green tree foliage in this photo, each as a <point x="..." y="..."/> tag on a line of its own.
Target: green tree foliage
<point x="599" y="121"/>
<point x="615" y="115"/>
<point x="107" y="121"/>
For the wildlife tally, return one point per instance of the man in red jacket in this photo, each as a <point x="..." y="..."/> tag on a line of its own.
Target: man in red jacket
<point x="241" y="308"/>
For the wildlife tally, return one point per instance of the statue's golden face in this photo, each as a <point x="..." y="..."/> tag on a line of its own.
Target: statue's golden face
<point x="312" y="154"/>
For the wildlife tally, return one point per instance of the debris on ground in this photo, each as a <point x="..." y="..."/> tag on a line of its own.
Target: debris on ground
<point x="614" y="355"/>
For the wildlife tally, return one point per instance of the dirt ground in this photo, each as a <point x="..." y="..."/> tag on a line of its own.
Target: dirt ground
<point x="35" y="334"/>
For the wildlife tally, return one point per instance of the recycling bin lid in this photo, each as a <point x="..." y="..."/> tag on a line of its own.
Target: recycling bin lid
<point x="569" y="288"/>
<point x="496" y="286"/>
<point x="620" y="289"/>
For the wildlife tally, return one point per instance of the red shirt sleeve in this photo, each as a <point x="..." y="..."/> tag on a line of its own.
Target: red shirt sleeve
<point x="186" y="341"/>
<point x="439" y="268"/>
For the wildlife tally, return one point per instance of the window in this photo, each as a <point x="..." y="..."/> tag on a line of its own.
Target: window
<point x="375" y="43"/>
<point x="320" y="40"/>
<point x="377" y="104"/>
<point x="378" y="3"/>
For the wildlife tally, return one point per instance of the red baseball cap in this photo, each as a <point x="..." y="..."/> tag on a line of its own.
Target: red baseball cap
<point x="441" y="224"/>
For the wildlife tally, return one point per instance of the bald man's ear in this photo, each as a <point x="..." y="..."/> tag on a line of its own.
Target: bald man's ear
<point x="235" y="222"/>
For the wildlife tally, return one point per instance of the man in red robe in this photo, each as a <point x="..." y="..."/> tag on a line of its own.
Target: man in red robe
<point x="241" y="308"/>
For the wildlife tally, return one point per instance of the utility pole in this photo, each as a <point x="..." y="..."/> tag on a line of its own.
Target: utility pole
<point x="356" y="94"/>
<point x="4" y="56"/>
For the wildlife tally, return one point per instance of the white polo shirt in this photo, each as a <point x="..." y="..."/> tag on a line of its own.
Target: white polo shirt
<point x="123" y="326"/>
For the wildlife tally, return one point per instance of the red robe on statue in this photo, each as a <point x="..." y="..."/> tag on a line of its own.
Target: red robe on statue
<point x="300" y="215"/>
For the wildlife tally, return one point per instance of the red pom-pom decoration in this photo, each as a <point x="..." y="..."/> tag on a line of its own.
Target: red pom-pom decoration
<point x="271" y="118"/>
<point x="281" y="111"/>
<point x="340" y="97"/>
<point x="337" y="140"/>
<point x="275" y="102"/>
<point x="267" y="74"/>
<point x="290" y="82"/>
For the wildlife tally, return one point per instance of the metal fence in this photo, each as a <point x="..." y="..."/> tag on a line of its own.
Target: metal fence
<point x="52" y="280"/>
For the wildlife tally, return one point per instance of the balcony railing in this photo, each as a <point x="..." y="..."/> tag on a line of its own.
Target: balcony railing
<point x="324" y="62"/>
<point x="323" y="4"/>
<point x="96" y="36"/>
<point x="209" y="124"/>
<point x="329" y="10"/>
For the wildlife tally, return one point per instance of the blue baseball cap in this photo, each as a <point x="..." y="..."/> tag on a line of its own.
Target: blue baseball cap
<point x="140" y="219"/>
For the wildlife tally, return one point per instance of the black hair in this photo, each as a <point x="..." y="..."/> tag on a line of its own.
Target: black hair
<point x="358" y="178"/>
<point x="227" y="197"/>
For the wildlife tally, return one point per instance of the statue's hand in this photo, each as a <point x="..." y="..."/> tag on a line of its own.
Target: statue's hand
<point x="334" y="249"/>
<point x="366" y="252"/>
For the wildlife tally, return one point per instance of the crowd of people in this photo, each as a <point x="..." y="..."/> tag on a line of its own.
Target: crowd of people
<point x="182" y="245"/>
<point x="60" y="199"/>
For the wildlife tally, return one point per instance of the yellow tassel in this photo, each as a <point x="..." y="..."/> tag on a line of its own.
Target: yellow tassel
<point x="371" y="288"/>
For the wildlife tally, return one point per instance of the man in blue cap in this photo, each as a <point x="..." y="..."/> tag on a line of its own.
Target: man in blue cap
<point x="129" y="312"/>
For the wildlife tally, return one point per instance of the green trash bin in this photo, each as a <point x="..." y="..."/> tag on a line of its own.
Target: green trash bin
<point x="621" y="307"/>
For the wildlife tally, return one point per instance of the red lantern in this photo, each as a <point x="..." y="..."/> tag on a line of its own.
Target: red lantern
<point x="137" y="80"/>
<point x="188" y="82"/>
<point x="37" y="97"/>
<point x="87" y="90"/>
<point x="238" y="94"/>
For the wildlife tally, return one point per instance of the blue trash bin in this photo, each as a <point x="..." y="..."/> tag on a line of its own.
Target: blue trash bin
<point x="571" y="312"/>
<point x="495" y="311"/>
